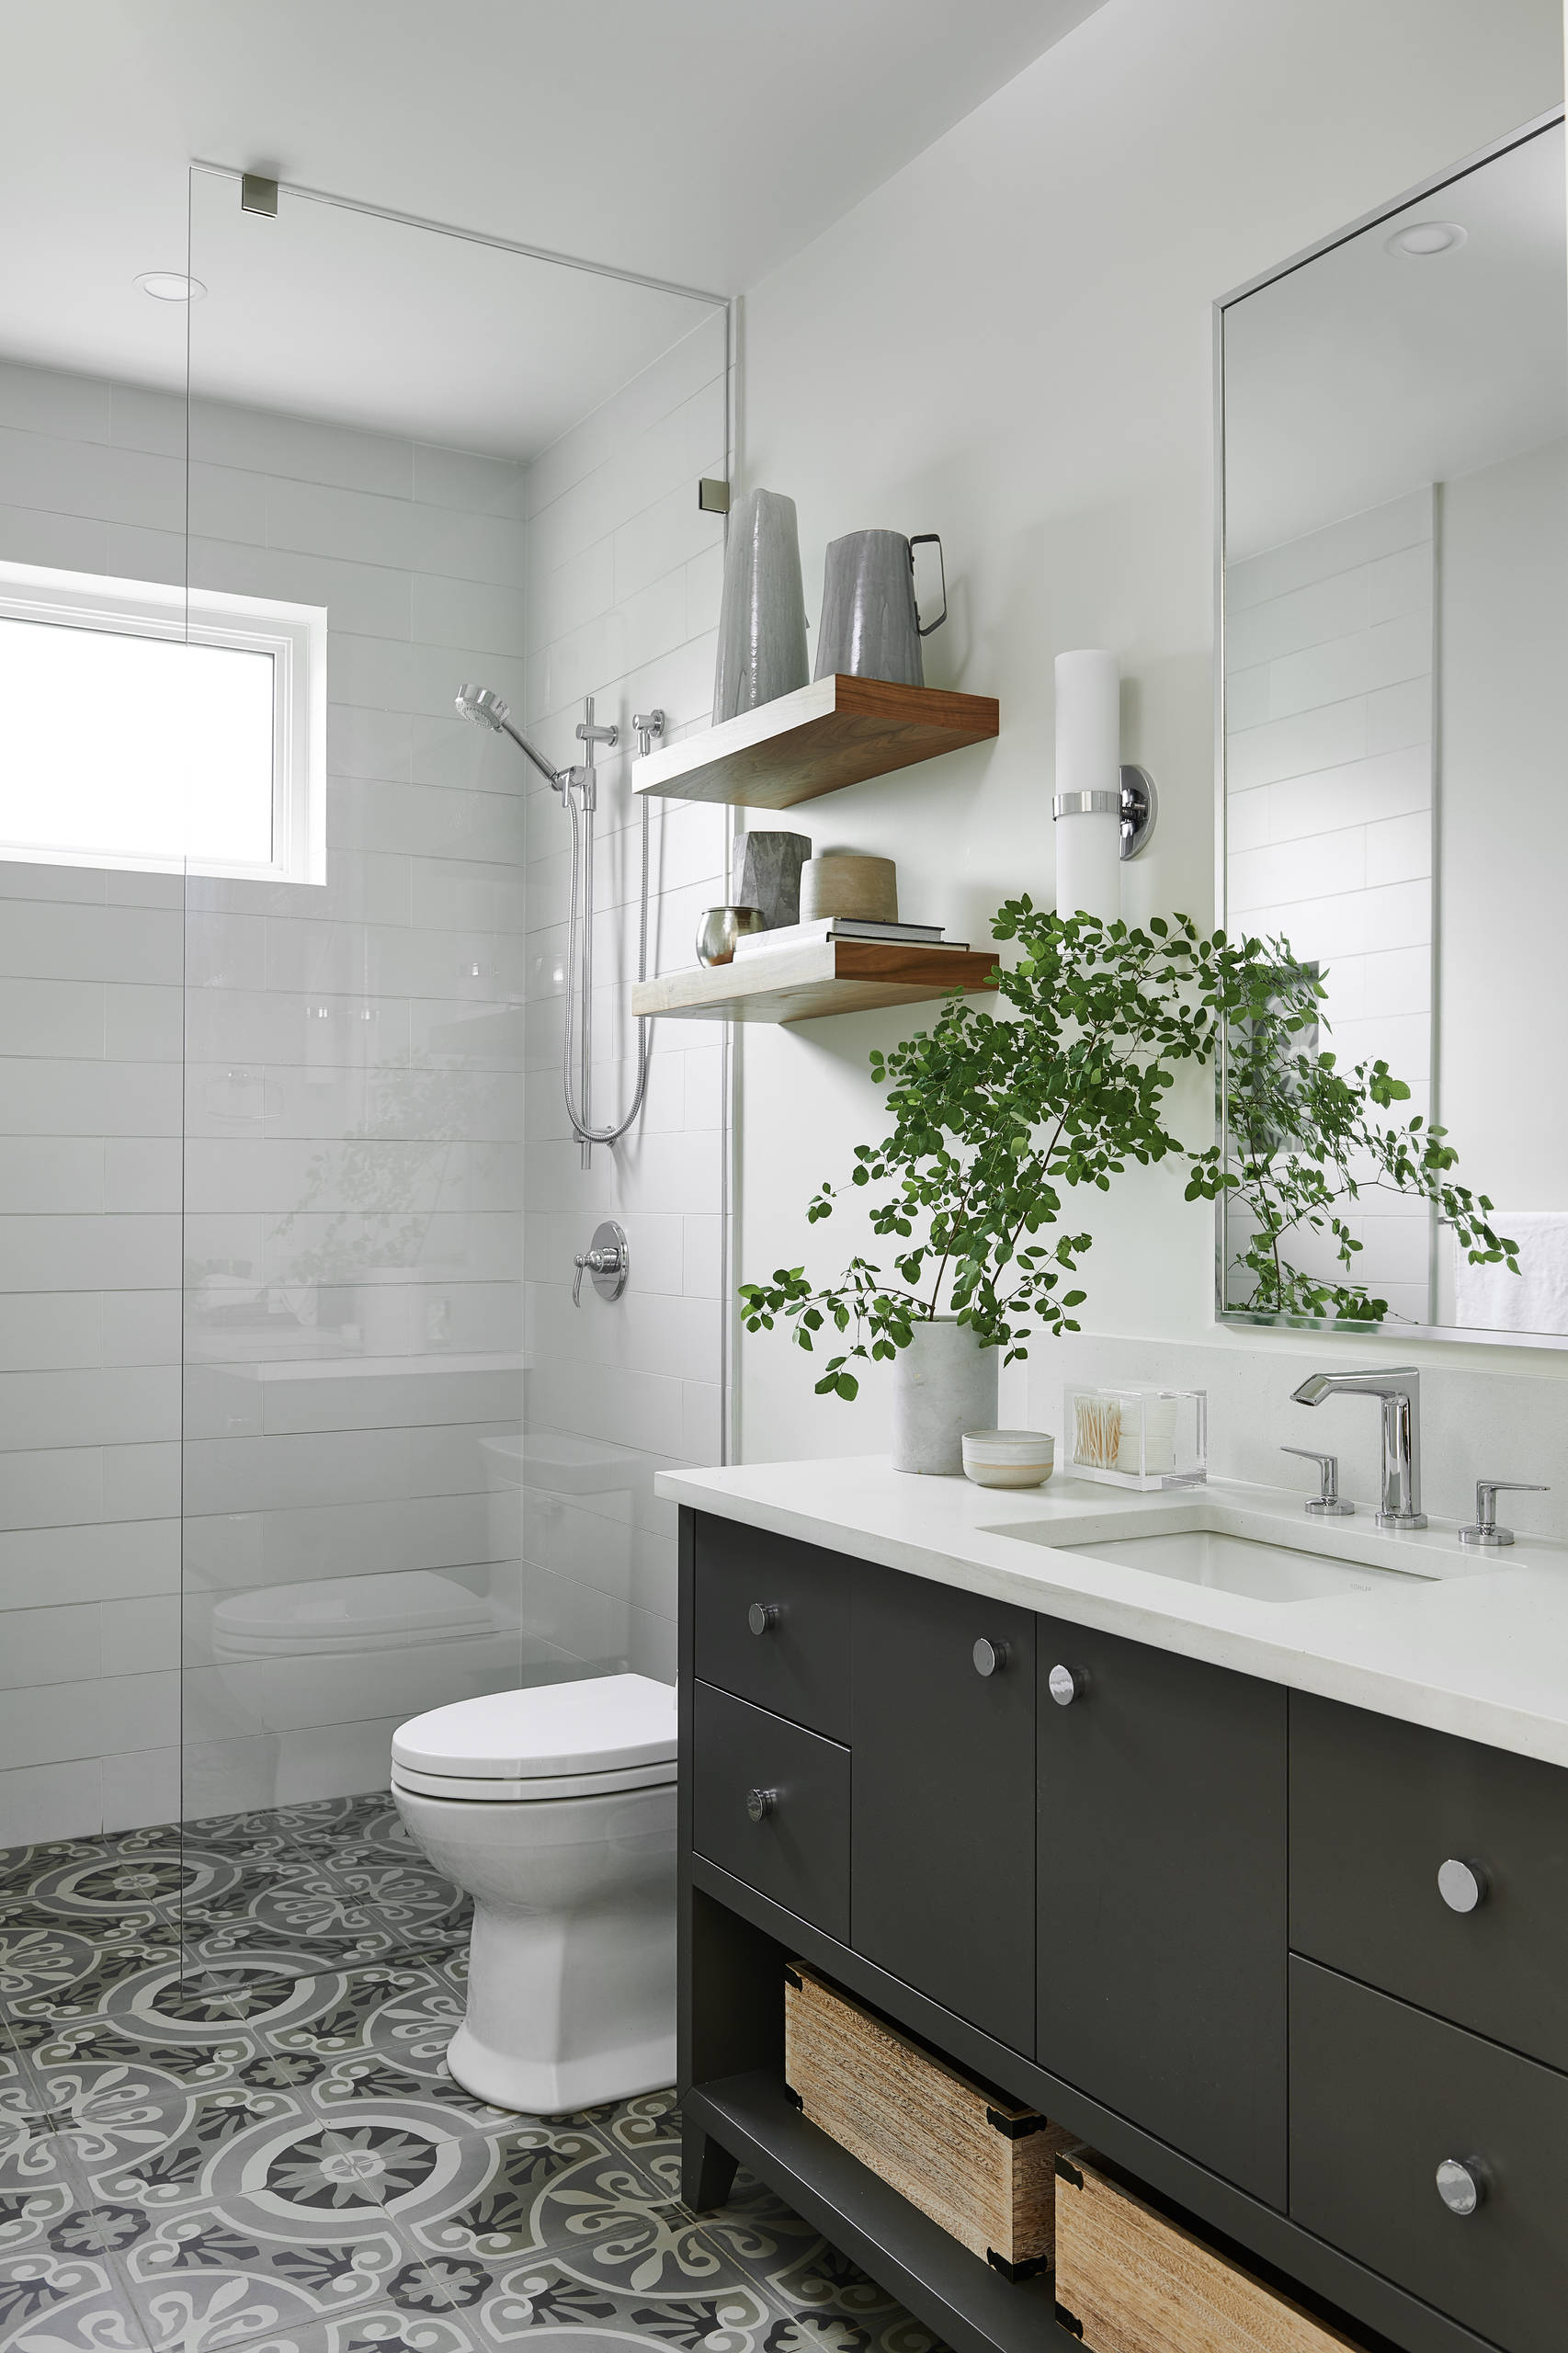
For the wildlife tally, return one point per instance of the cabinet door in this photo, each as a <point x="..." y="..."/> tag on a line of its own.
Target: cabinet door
<point x="1378" y="1808"/>
<point x="795" y="1848"/>
<point x="942" y="1812"/>
<point x="1382" y="2098"/>
<point x="793" y="1654"/>
<point x="1162" y="1897"/>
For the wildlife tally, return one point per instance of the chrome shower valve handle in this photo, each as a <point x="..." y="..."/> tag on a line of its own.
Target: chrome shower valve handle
<point x="606" y="1259"/>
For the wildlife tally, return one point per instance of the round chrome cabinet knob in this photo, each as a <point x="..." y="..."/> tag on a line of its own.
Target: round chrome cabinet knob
<point x="1463" y="1886"/>
<point x="760" y="1804"/>
<point x="990" y="1658"/>
<point x="764" y="1615"/>
<point x="1066" y="1684"/>
<point x="1462" y="2185"/>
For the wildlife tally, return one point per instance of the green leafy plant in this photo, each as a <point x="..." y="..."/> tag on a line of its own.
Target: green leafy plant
<point x="999" y="1117"/>
<point x="1305" y="1141"/>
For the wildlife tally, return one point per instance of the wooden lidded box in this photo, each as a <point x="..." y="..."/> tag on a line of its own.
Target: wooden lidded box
<point x="980" y="2167"/>
<point x="1130" y="2280"/>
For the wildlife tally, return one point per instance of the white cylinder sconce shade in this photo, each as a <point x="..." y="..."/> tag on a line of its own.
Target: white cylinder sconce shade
<point x="1088" y="784"/>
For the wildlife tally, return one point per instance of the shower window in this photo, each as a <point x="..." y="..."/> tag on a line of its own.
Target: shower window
<point x="142" y="729"/>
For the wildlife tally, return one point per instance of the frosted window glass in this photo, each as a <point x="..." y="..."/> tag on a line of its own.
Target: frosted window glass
<point x="131" y="747"/>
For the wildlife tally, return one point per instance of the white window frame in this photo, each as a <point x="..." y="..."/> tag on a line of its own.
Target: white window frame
<point x="295" y="637"/>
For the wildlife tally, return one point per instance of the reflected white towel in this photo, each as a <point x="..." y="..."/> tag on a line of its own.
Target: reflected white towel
<point x="1490" y="1299"/>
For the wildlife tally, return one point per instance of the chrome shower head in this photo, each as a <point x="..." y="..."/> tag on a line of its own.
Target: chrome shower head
<point x="484" y="707"/>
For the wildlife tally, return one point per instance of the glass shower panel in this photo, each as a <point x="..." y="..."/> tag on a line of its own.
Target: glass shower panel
<point x="374" y="411"/>
<point x="92" y="568"/>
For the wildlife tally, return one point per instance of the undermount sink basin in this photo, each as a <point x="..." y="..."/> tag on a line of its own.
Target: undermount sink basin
<point x="1244" y="1564"/>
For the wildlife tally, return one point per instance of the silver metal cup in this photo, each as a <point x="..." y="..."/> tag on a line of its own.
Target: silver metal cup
<point x="717" y="928"/>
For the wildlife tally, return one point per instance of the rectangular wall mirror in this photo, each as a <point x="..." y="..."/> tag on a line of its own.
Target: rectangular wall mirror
<point x="1394" y="775"/>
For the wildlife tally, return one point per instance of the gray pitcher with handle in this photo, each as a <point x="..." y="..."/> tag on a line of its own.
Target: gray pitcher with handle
<point x="871" y="624"/>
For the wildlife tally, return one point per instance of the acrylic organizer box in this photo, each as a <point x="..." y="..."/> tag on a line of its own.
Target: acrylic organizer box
<point x="1138" y="1437"/>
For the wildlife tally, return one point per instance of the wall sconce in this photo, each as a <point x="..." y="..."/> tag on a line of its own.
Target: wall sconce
<point x="1105" y="809"/>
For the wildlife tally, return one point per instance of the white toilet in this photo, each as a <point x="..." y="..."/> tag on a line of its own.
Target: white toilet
<point x="555" y="1808"/>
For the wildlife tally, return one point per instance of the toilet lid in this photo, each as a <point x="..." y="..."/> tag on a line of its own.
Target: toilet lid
<point x="604" y="1723"/>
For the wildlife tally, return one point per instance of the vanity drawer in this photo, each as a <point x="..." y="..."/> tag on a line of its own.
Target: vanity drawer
<point x="1381" y="2095"/>
<point x="798" y="1665"/>
<point x="797" y="1852"/>
<point x="1377" y="1808"/>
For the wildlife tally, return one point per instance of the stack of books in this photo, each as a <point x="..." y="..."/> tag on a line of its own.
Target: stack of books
<point x="807" y="935"/>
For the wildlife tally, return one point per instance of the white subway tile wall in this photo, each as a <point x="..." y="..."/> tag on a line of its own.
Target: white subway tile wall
<point x="1329" y="810"/>
<point x="622" y="597"/>
<point x="303" y="1123"/>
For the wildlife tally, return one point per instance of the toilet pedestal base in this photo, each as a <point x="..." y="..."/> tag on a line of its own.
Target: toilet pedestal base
<point x="535" y="2088"/>
<point x="570" y="2009"/>
<point x="571" y="1961"/>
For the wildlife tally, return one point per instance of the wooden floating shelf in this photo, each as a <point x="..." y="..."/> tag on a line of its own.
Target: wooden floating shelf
<point x="836" y="732"/>
<point x="824" y="976"/>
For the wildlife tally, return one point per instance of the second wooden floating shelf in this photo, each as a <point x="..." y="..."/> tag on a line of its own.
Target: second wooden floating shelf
<point x="836" y="732"/>
<point x="824" y="976"/>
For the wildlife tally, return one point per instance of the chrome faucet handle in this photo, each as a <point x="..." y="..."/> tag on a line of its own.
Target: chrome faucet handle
<point x="1328" y="1502"/>
<point x="1486" y="1531"/>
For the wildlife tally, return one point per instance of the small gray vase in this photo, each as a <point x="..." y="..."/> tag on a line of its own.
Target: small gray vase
<point x="762" y="612"/>
<point x="944" y="1383"/>
<point x="765" y="872"/>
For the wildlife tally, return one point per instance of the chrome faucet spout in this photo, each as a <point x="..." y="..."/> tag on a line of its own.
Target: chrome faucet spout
<point x="1398" y="1391"/>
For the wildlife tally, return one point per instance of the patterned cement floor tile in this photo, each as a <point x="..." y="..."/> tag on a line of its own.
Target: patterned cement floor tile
<point x="38" y="2196"/>
<point x="52" y="1972"/>
<point x="388" y="2328"/>
<point x="56" y="2303"/>
<point x="237" y="2149"/>
<point x="382" y="2034"/>
<point x="507" y="2304"/>
<point x="596" y="2218"/>
<point x="647" y="2132"/>
<point x="150" y="2143"/>
<point x="21" y="1866"/>
<point x="279" y="2234"/>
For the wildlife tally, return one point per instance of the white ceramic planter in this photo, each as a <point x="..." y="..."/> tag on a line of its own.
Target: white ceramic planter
<point x="945" y="1383"/>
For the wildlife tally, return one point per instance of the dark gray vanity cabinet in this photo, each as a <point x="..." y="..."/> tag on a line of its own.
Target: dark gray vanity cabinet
<point x="1161" y="1893"/>
<point x="942" y="1815"/>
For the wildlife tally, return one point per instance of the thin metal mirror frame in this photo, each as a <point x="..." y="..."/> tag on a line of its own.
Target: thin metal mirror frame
<point x="1253" y="1317"/>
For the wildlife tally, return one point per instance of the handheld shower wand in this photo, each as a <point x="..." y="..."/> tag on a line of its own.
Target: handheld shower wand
<point x="578" y="788"/>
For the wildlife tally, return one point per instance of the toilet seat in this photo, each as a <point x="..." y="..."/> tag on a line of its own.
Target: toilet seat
<point x="595" y="1738"/>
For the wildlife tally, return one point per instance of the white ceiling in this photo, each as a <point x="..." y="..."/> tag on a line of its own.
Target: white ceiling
<point x="696" y="141"/>
<point x="1366" y="374"/>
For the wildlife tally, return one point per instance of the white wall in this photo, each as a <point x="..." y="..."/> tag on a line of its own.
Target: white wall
<point x="1011" y="343"/>
<point x="623" y="599"/>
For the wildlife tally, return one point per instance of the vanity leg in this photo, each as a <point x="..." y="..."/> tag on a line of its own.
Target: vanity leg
<point x="707" y="2171"/>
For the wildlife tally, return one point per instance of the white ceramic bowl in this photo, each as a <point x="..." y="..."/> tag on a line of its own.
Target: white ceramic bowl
<point x="1008" y="1458"/>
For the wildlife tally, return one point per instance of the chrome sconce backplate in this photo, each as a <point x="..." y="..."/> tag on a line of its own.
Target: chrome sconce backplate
<point x="1140" y="809"/>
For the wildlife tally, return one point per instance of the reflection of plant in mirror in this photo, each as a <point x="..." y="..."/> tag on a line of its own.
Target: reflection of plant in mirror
<point x="1305" y="1141"/>
<point x="995" y="1119"/>
<point x="387" y="1173"/>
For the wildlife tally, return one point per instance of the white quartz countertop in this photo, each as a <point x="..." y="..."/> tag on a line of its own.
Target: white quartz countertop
<point x="1470" y="1643"/>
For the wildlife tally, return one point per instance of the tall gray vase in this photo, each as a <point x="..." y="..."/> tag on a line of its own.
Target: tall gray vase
<point x="944" y="1383"/>
<point x="762" y="612"/>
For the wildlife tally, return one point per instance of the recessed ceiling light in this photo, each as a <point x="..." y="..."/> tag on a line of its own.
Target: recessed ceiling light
<point x="1423" y="238"/>
<point x="168" y="286"/>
